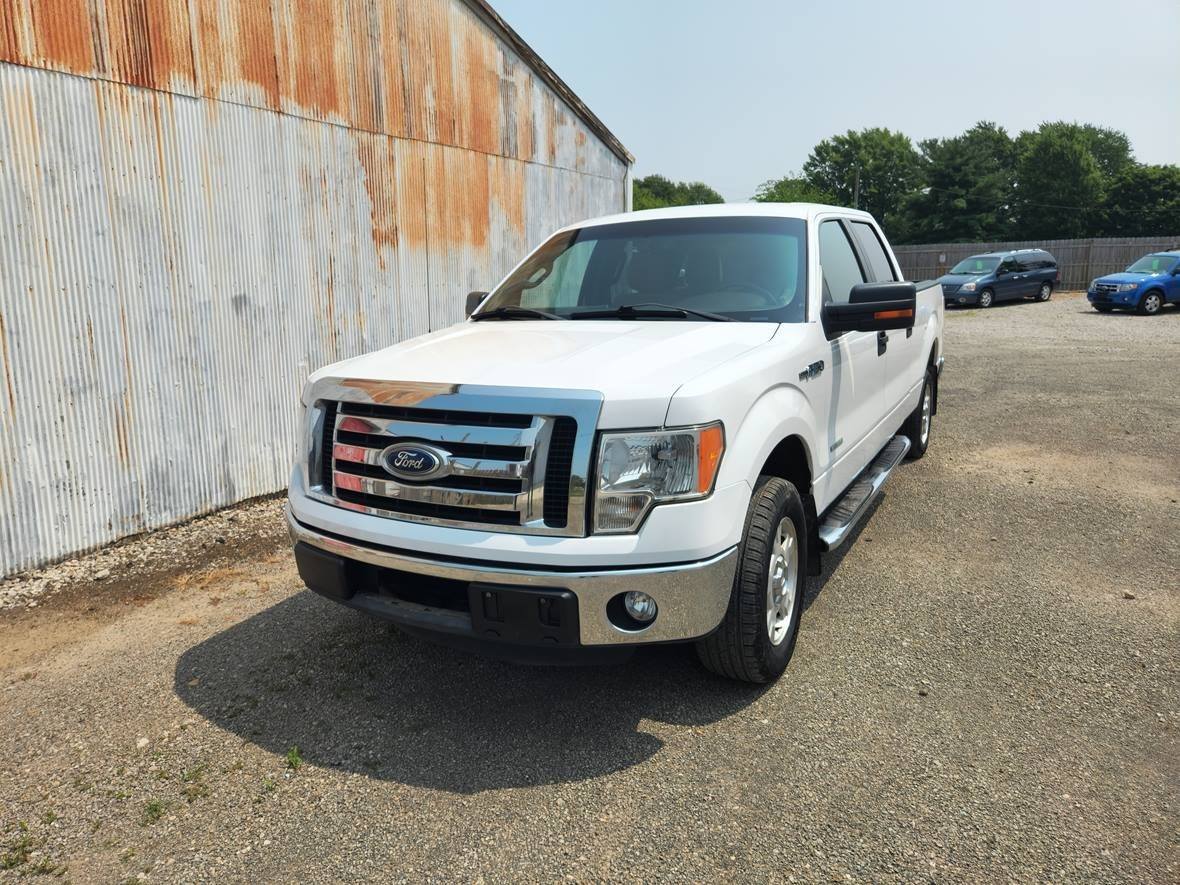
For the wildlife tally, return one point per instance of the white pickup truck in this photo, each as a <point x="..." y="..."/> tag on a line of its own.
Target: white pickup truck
<point x="648" y="432"/>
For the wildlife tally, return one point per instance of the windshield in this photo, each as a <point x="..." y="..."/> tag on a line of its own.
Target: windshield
<point x="976" y="265"/>
<point x="1152" y="264"/>
<point x="751" y="269"/>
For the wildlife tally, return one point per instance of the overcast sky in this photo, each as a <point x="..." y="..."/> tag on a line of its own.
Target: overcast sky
<point x="733" y="92"/>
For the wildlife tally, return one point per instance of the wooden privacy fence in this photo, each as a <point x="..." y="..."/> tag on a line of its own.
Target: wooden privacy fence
<point x="1079" y="260"/>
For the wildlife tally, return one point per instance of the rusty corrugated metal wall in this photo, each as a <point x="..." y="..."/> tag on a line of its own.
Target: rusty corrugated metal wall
<point x="204" y="201"/>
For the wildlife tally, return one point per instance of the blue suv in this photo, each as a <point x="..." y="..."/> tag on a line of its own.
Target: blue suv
<point x="997" y="276"/>
<point x="1145" y="286"/>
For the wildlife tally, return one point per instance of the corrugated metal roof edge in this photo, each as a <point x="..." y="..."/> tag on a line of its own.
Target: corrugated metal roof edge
<point x="533" y="60"/>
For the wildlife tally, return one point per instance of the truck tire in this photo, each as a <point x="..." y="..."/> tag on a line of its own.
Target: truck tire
<point x="1045" y="292"/>
<point x="918" y="425"/>
<point x="1151" y="303"/>
<point x="987" y="298"/>
<point x="757" y="635"/>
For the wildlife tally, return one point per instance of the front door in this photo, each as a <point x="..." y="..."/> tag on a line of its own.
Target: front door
<point x="858" y="365"/>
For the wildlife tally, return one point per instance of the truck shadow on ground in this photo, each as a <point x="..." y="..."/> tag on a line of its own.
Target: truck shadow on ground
<point x="355" y="694"/>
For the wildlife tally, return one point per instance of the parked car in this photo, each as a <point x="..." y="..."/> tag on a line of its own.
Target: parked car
<point x="1145" y="286"/>
<point x="997" y="276"/>
<point x="648" y="432"/>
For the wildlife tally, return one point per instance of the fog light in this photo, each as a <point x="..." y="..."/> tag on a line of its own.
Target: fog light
<point x="640" y="606"/>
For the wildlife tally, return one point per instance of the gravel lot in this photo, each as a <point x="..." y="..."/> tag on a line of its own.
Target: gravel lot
<point x="986" y="687"/>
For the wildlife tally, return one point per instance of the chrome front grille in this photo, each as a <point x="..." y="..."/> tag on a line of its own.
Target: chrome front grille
<point x="1106" y="288"/>
<point x="517" y="464"/>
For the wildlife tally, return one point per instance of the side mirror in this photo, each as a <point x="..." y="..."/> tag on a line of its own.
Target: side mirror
<point x="473" y="300"/>
<point x="1176" y="271"/>
<point x="1001" y="272"/>
<point x="872" y="307"/>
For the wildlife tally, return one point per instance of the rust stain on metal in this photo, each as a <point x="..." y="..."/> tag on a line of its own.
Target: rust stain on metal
<point x="482" y="105"/>
<point x="150" y="43"/>
<point x="509" y="193"/>
<point x="237" y="44"/>
<point x="377" y="161"/>
<point x="12" y="20"/>
<point x="121" y="436"/>
<point x="441" y="67"/>
<point x="63" y="34"/>
<point x="315" y="34"/>
<point x="458" y="198"/>
<point x="7" y="368"/>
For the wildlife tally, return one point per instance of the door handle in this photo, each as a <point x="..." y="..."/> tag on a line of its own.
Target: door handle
<point x="882" y="342"/>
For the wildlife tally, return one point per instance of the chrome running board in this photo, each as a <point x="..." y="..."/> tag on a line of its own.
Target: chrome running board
<point x="841" y="518"/>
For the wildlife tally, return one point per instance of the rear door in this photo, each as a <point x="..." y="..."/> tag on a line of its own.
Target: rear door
<point x="904" y="366"/>
<point x="858" y="369"/>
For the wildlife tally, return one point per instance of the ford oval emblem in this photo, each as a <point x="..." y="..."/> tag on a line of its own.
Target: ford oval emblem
<point x="415" y="461"/>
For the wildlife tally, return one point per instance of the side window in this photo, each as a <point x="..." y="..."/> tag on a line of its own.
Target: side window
<point x="841" y="270"/>
<point x="1009" y="265"/>
<point x="871" y="248"/>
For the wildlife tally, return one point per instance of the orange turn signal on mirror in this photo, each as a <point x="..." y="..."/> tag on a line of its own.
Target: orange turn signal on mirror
<point x="712" y="444"/>
<point x="903" y="314"/>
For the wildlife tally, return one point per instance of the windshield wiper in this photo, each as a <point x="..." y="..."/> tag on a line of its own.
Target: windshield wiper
<point x="649" y="309"/>
<point x="514" y="312"/>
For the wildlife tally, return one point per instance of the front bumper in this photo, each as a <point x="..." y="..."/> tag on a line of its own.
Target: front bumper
<point x="1114" y="299"/>
<point x="955" y="298"/>
<point x="445" y="595"/>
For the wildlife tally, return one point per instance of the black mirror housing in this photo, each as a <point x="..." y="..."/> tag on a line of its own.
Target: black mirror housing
<point x="872" y="307"/>
<point x="473" y="300"/>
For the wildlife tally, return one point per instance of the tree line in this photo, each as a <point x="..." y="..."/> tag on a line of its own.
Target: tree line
<point x="1059" y="181"/>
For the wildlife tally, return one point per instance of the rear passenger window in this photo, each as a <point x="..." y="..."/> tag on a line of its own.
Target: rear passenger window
<point x="871" y="248"/>
<point x="841" y="270"/>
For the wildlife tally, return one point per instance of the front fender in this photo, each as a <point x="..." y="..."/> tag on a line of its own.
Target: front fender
<point x="778" y="413"/>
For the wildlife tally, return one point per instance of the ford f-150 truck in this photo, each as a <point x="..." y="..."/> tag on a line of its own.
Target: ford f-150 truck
<point x="649" y="432"/>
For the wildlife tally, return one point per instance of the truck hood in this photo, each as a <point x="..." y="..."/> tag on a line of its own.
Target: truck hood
<point x="636" y="366"/>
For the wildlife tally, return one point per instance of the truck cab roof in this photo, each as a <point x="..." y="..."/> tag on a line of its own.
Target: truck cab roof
<point x="805" y="211"/>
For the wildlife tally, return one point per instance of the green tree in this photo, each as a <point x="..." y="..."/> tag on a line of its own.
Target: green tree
<point x="656" y="191"/>
<point x="969" y="189"/>
<point x="791" y="188"/>
<point x="886" y="163"/>
<point x="1143" y="201"/>
<point x="1059" y="183"/>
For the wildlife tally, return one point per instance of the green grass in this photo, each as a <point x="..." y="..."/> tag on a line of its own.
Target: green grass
<point x="294" y="759"/>
<point x="153" y="811"/>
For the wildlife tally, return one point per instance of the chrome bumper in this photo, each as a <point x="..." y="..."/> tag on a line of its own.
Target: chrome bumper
<point x="691" y="597"/>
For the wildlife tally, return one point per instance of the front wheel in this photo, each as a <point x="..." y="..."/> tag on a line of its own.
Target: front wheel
<point x="1045" y="292"/>
<point x="757" y="635"/>
<point x="986" y="298"/>
<point x="1151" y="304"/>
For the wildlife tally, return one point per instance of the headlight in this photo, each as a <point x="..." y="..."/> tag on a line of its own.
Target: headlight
<point x="1128" y="287"/>
<point x="967" y="287"/>
<point x="638" y="470"/>
<point x="1093" y="283"/>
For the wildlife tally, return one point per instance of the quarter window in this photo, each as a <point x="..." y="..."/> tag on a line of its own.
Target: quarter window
<point x="841" y="270"/>
<point x="871" y="248"/>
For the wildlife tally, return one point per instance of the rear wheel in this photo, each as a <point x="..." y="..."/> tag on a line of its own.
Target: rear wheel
<point x="1151" y="303"/>
<point x="918" y="425"/>
<point x="757" y="636"/>
<point x="986" y="298"/>
<point x="1045" y="292"/>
